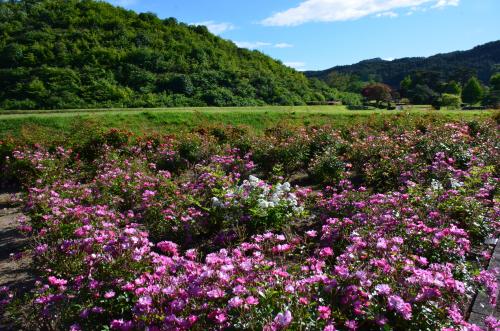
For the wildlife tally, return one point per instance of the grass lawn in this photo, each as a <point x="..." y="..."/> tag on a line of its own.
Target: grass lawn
<point x="64" y="122"/>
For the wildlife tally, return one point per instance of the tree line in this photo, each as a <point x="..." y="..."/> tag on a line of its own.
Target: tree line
<point x="451" y="94"/>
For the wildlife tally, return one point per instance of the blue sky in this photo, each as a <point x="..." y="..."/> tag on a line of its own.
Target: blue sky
<point x="319" y="34"/>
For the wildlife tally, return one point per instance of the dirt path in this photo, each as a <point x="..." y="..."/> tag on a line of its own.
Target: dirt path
<point x="481" y="308"/>
<point x="13" y="273"/>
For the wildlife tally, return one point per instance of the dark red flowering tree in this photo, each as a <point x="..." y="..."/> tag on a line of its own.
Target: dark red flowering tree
<point x="377" y="92"/>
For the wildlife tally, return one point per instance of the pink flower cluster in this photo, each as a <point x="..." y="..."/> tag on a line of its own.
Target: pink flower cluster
<point x="130" y="245"/>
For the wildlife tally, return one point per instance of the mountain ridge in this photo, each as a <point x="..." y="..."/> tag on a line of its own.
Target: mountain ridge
<point x="456" y="65"/>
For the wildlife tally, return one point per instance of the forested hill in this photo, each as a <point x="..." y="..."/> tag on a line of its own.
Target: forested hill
<point x="84" y="53"/>
<point x="480" y="61"/>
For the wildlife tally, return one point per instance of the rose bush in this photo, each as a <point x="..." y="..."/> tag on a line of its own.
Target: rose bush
<point x="153" y="234"/>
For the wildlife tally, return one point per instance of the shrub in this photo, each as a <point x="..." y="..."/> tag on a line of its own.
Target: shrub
<point x="326" y="167"/>
<point x="451" y="101"/>
<point x="393" y="243"/>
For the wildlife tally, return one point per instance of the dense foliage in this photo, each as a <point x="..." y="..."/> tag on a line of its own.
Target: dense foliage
<point x="451" y="101"/>
<point x="492" y="98"/>
<point x="481" y="61"/>
<point x="178" y="233"/>
<point x="84" y="54"/>
<point x="473" y="91"/>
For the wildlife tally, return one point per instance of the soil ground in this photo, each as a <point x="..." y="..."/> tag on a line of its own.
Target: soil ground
<point x="14" y="273"/>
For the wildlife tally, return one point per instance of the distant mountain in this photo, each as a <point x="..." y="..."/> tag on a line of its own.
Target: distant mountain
<point x="85" y="53"/>
<point x="481" y="61"/>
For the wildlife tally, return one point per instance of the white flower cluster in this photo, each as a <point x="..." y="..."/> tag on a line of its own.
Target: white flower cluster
<point x="436" y="185"/>
<point x="271" y="197"/>
<point x="217" y="203"/>
<point x="454" y="183"/>
<point x="254" y="181"/>
<point x="267" y="196"/>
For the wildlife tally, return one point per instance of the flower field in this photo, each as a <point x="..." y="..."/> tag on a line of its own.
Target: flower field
<point x="303" y="228"/>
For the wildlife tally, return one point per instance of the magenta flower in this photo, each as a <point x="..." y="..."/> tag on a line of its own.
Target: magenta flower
<point x="215" y="293"/>
<point x="235" y="302"/>
<point x="383" y="289"/>
<point x="109" y="294"/>
<point x="325" y="252"/>
<point x="492" y="323"/>
<point x="397" y="303"/>
<point x="351" y="325"/>
<point x="251" y="300"/>
<point x="324" y="312"/>
<point x="220" y="318"/>
<point x="42" y="248"/>
<point x="56" y="281"/>
<point x="311" y="233"/>
<point x="282" y="320"/>
<point x="122" y="325"/>
<point x="168" y="247"/>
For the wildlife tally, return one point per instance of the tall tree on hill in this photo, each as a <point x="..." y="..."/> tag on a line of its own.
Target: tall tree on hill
<point x="473" y="91"/>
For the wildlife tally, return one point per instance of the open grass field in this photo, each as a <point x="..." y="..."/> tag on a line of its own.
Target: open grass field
<point x="15" y="123"/>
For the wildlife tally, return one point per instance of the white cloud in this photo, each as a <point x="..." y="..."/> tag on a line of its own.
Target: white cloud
<point x="388" y="59"/>
<point x="343" y="10"/>
<point x="214" y="27"/>
<point x="295" y="65"/>
<point x="445" y="3"/>
<point x="260" y="44"/>
<point x="283" y="45"/>
<point x="390" y="14"/>
<point x="252" y="44"/>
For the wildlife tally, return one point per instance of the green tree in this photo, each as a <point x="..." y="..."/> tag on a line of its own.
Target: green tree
<point x="36" y="89"/>
<point x="422" y="95"/>
<point x="181" y="84"/>
<point x="451" y="101"/>
<point x="453" y="88"/>
<point x="344" y="82"/>
<point x="338" y="80"/>
<point x="495" y="82"/>
<point x="405" y="86"/>
<point x="492" y="99"/>
<point x="473" y="91"/>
